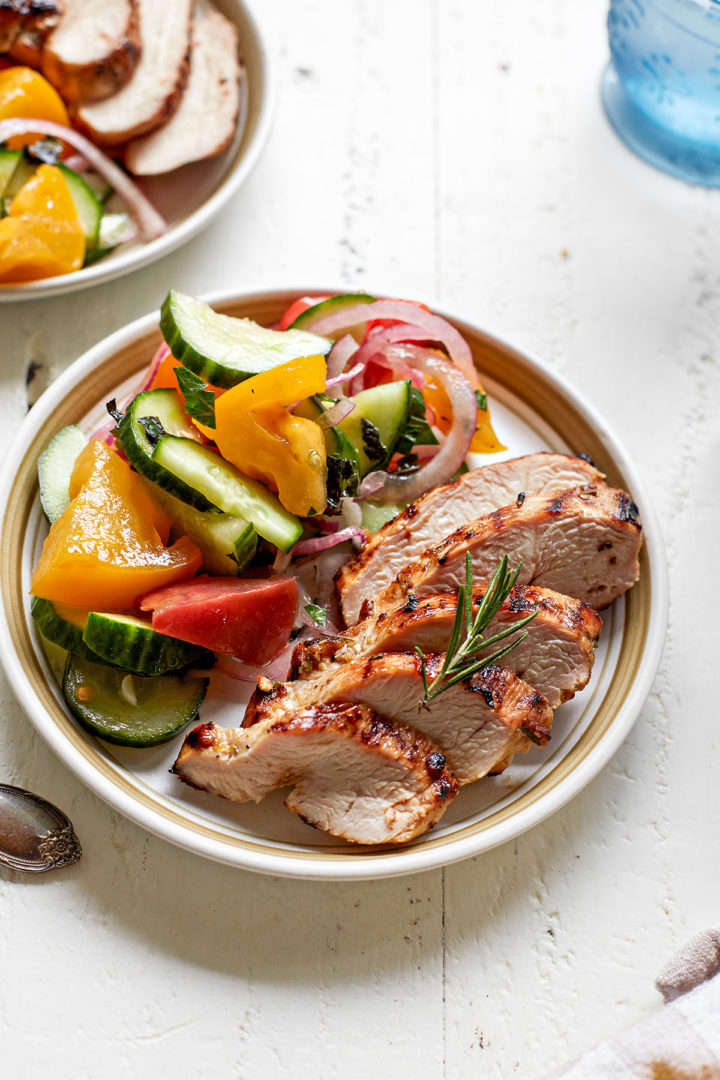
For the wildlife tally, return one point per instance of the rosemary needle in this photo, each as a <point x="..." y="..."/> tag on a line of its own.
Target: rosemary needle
<point x="461" y="659"/>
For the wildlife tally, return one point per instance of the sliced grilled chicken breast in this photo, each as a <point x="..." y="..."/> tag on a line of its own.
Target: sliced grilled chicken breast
<point x="555" y="658"/>
<point x="204" y="122"/>
<point x="444" y="509"/>
<point x="151" y="96"/>
<point x="584" y="543"/>
<point x="478" y="724"/>
<point x="353" y="773"/>
<point x="30" y="19"/>
<point x="94" y="49"/>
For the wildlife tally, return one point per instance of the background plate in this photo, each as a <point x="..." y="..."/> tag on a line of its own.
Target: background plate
<point x="532" y="410"/>
<point x="188" y="198"/>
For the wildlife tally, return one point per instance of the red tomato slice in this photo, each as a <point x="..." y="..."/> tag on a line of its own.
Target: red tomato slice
<point x="297" y="307"/>
<point x="247" y="618"/>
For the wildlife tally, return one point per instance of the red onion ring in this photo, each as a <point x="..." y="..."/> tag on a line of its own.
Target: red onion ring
<point x="345" y="376"/>
<point x="149" y="221"/>
<point x="336" y="413"/>
<point x="338" y="357"/>
<point x="322" y="543"/>
<point x="454" y="450"/>
<point x="435" y="328"/>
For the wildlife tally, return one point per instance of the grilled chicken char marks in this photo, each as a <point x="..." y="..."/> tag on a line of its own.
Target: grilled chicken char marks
<point x="584" y="543"/>
<point x="353" y="773"/>
<point x="478" y="724"/>
<point x="446" y="508"/>
<point x="555" y="658"/>
<point x="35" y="18"/>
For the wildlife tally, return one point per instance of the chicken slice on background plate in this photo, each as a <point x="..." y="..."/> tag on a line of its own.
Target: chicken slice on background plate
<point x="94" y="49"/>
<point x="353" y="773"/>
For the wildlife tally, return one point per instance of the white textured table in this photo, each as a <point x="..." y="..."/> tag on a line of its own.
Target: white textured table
<point x="454" y="151"/>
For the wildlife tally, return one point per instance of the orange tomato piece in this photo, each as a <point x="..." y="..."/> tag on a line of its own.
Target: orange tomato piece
<point x="485" y="441"/>
<point x="256" y="433"/>
<point x="25" y="93"/>
<point x="42" y="236"/>
<point x="108" y="548"/>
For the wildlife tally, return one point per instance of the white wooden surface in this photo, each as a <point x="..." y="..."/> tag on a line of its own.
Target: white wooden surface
<point x="452" y="150"/>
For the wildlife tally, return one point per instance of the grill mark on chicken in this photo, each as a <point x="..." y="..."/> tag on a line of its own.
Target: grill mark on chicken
<point x="476" y="724"/>
<point x="28" y="19"/>
<point x="556" y="657"/>
<point x="557" y="541"/>
<point x="450" y="506"/>
<point x="353" y="773"/>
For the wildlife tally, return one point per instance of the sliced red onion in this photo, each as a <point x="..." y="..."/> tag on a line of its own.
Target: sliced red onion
<point x="336" y="413"/>
<point x="162" y="351"/>
<point x="104" y="433"/>
<point x="77" y="163"/>
<point x="150" y="222"/>
<point x="282" y="561"/>
<point x="455" y="448"/>
<point x="435" y="328"/>
<point x="322" y="543"/>
<point x="340" y="354"/>
<point x="304" y="601"/>
<point x="345" y="376"/>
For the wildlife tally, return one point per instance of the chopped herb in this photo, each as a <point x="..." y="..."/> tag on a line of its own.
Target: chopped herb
<point x="153" y="428"/>
<point x="296" y="632"/>
<point x="408" y="464"/>
<point x="199" y="399"/>
<point x="521" y="498"/>
<point x="481" y="399"/>
<point x="112" y="408"/>
<point x="372" y="444"/>
<point x="317" y="614"/>
<point x="343" y="479"/>
<point x="417" y="430"/>
<point x="461" y="659"/>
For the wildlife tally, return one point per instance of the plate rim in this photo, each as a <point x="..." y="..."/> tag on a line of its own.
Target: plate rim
<point x="344" y="867"/>
<point x="198" y="219"/>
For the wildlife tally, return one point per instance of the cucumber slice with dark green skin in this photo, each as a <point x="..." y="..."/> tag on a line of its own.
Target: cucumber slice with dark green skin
<point x="227" y="543"/>
<point x="55" y="466"/>
<point x="130" y="710"/>
<point x="133" y="645"/>
<point x="88" y="206"/>
<point x="52" y="625"/>
<point x="225" y="351"/>
<point x="215" y="483"/>
<point x="167" y="406"/>
<point x="387" y="408"/>
<point x="307" y="319"/>
<point x="9" y="161"/>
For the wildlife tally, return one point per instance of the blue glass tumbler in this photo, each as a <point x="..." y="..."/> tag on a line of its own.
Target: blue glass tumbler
<point x="661" y="89"/>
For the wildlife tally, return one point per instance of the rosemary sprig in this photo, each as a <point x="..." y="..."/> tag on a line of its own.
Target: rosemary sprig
<point x="461" y="660"/>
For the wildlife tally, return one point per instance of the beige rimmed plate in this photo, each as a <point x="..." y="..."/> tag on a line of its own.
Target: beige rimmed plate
<point x="191" y="197"/>
<point x="532" y="410"/>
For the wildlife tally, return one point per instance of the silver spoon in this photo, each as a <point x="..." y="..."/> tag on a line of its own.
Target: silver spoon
<point x="34" y="835"/>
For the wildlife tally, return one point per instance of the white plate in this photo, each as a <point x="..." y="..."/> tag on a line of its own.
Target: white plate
<point x="188" y="198"/>
<point x="533" y="410"/>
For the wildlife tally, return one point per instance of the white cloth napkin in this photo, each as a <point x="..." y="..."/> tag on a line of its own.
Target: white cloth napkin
<point x="680" y="1041"/>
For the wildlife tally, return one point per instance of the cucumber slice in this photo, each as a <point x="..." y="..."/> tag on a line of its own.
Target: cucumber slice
<point x="387" y="407"/>
<point x="223" y="350"/>
<point x="53" y="623"/>
<point x="227" y="543"/>
<point x="9" y="161"/>
<point x="215" y="483"/>
<point x="375" y="515"/>
<point x="167" y="406"/>
<point x="22" y="173"/>
<point x="336" y="442"/>
<point x="307" y="319"/>
<point x="55" y="467"/>
<point x="88" y="206"/>
<point x="129" y="709"/>
<point x="133" y="645"/>
<point x="114" y="230"/>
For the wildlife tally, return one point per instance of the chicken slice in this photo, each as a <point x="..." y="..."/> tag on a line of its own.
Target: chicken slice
<point x="443" y="510"/>
<point x="153" y="93"/>
<point x="478" y="724"/>
<point x="354" y="774"/>
<point x="556" y="657"/>
<point x="94" y="50"/>
<point x="204" y="122"/>
<point x="584" y="543"/>
<point x="32" y="19"/>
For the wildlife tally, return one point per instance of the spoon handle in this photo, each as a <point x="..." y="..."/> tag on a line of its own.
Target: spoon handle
<point x="35" y="836"/>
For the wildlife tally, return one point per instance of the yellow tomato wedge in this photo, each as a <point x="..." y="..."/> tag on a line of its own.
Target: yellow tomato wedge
<point x="108" y="548"/>
<point x="25" y="93"/>
<point x="485" y="441"/>
<point x="256" y="433"/>
<point x="42" y="236"/>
